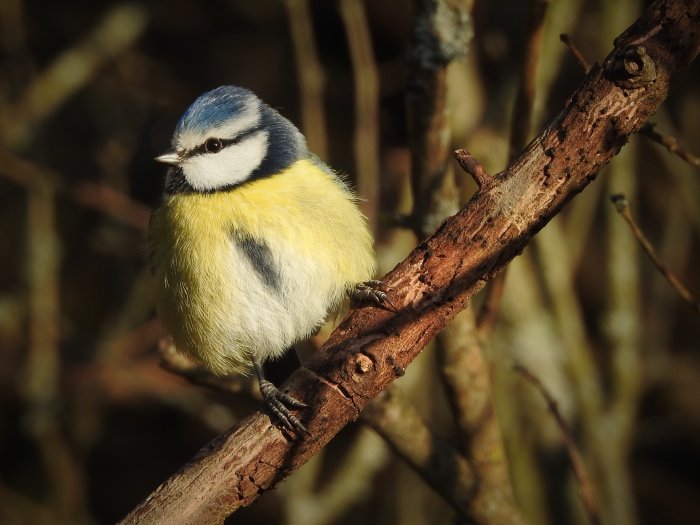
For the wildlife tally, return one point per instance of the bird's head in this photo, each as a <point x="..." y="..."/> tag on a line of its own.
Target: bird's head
<point x="226" y="137"/>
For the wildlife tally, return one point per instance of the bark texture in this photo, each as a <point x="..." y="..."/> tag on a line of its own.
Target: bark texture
<point x="372" y="347"/>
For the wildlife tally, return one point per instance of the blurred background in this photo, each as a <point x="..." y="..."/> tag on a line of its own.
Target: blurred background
<point x="91" y="423"/>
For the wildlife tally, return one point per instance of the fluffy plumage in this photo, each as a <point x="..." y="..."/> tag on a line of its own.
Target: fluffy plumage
<point x="254" y="244"/>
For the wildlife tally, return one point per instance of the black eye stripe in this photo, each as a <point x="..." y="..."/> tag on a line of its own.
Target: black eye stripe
<point x="202" y="148"/>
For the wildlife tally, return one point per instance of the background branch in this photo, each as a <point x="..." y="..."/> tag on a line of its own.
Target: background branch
<point x="310" y="76"/>
<point x="366" y="83"/>
<point x="437" y="279"/>
<point x="622" y="207"/>
<point x="671" y="143"/>
<point x="577" y="465"/>
<point x="442" y="467"/>
<point x="521" y="124"/>
<point x="463" y="368"/>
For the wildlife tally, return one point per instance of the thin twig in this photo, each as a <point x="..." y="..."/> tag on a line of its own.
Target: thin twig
<point x="622" y="207"/>
<point x="610" y="437"/>
<point x="566" y="39"/>
<point x="488" y="312"/>
<point x="441" y="34"/>
<point x="127" y="345"/>
<point x="522" y="112"/>
<point x="42" y="369"/>
<point x="174" y="362"/>
<point x="319" y="497"/>
<point x="473" y="167"/>
<point x="577" y="465"/>
<point x="675" y="249"/>
<point x="91" y="195"/>
<point x="671" y="143"/>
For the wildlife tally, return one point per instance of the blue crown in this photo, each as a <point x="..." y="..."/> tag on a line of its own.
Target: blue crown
<point x="214" y="108"/>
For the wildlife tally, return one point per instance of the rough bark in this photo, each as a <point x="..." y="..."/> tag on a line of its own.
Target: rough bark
<point x="372" y="347"/>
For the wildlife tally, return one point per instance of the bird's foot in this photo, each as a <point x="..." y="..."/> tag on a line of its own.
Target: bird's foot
<point x="374" y="291"/>
<point x="278" y="402"/>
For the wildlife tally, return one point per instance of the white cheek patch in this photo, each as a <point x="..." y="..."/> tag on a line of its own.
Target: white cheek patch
<point x="232" y="165"/>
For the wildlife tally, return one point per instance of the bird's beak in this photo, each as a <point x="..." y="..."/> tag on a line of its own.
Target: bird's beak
<point x="169" y="157"/>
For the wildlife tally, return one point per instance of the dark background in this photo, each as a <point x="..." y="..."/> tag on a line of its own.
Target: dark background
<point x="90" y="423"/>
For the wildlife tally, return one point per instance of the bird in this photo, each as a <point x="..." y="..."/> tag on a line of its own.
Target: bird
<point x="256" y="241"/>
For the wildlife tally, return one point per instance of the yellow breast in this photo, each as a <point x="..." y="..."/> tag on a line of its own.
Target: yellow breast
<point x="212" y="300"/>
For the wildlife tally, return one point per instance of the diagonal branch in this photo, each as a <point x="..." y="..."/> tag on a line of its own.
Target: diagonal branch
<point x="520" y="133"/>
<point x="372" y="347"/>
<point x="578" y="467"/>
<point x="622" y="207"/>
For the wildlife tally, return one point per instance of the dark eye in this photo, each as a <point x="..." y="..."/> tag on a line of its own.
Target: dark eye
<point x="213" y="145"/>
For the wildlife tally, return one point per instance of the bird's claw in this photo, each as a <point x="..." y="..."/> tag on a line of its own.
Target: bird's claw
<point x="372" y="291"/>
<point x="278" y="402"/>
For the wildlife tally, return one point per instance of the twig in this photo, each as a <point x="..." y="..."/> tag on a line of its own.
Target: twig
<point x="565" y="310"/>
<point x="40" y="383"/>
<point x="132" y="328"/>
<point x="564" y="17"/>
<point x="579" y="223"/>
<point x="488" y="312"/>
<point x="434" y="460"/>
<point x="366" y="81"/>
<point x="611" y="436"/>
<point x="578" y="467"/>
<point x="127" y="345"/>
<point x="472" y="166"/>
<point x="372" y="346"/>
<point x="566" y="39"/>
<point x="91" y="195"/>
<point x="309" y="75"/>
<point x="112" y="203"/>
<point x="671" y="143"/>
<point x="674" y="248"/>
<point x="176" y="363"/>
<point x="622" y="207"/>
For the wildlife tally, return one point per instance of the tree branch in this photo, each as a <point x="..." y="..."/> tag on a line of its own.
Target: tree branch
<point x="433" y="459"/>
<point x="520" y="133"/>
<point x="372" y="347"/>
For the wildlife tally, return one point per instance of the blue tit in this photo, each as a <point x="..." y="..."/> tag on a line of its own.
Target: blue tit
<point x="256" y="241"/>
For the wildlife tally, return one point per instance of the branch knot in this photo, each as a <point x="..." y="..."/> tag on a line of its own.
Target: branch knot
<point x="632" y="69"/>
